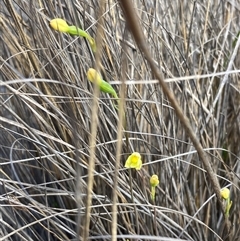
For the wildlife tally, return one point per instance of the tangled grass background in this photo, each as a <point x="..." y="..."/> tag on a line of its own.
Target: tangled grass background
<point x="48" y="113"/>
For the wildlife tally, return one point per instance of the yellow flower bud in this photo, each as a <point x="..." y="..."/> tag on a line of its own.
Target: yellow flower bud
<point x="134" y="161"/>
<point x="225" y="193"/>
<point x="62" y="26"/>
<point x="94" y="76"/>
<point x="104" y="86"/>
<point x="59" y="25"/>
<point x="154" y="180"/>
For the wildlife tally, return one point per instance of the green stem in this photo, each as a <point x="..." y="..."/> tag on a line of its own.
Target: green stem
<point x="73" y="30"/>
<point x="153" y="192"/>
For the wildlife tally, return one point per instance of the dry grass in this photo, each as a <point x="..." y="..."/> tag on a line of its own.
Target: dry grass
<point x="47" y="121"/>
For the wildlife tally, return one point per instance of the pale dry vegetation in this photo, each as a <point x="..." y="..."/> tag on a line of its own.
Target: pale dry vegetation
<point x="46" y="121"/>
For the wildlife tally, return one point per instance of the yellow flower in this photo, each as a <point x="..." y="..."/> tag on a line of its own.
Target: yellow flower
<point x="59" y="25"/>
<point x="154" y="180"/>
<point x="225" y="193"/>
<point x="134" y="161"/>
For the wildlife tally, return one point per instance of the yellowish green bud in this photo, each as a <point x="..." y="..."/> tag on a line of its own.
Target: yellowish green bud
<point x="225" y="193"/>
<point x="104" y="86"/>
<point x="134" y="161"/>
<point x="154" y="180"/>
<point x="94" y="77"/>
<point x="59" y="25"/>
<point x="62" y="26"/>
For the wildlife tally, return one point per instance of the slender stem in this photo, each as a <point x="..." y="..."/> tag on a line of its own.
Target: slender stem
<point x="121" y="116"/>
<point x="94" y="123"/>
